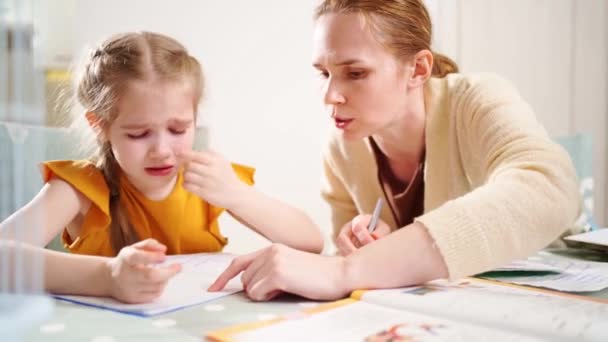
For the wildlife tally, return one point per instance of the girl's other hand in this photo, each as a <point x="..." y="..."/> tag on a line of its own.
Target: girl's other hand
<point x="211" y="177"/>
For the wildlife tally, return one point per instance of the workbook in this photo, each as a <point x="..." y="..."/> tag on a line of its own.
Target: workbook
<point x="467" y="310"/>
<point x="187" y="288"/>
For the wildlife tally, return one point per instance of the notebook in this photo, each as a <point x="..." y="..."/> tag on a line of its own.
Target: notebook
<point x="467" y="310"/>
<point x="189" y="287"/>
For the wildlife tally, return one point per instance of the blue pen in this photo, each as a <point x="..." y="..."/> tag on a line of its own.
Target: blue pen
<point x="375" y="216"/>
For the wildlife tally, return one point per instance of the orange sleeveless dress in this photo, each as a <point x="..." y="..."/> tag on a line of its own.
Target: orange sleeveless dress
<point x="182" y="221"/>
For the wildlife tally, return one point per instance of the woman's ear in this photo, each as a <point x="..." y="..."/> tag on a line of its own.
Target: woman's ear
<point x="422" y="65"/>
<point x="96" y="124"/>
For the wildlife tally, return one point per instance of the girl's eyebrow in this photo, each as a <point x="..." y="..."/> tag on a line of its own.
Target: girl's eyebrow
<point x="181" y="122"/>
<point x="134" y="126"/>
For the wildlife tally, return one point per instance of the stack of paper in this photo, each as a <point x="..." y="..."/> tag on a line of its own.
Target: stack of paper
<point x="597" y="240"/>
<point x="554" y="272"/>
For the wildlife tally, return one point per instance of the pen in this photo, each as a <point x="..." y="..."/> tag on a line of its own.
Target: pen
<point x="376" y="214"/>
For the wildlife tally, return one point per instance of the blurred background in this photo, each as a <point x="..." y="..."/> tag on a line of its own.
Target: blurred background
<point x="263" y="107"/>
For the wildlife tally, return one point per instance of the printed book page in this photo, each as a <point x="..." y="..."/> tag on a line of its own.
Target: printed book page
<point x="362" y="321"/>
<point x="535" y="312"/>
<point x="189" y="287"/>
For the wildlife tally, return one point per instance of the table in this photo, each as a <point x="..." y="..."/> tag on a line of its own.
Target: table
<point x="71" y="322"/>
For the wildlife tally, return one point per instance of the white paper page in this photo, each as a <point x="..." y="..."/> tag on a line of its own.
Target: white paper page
<point x="573" y="276"/>
<point x="189" y="287"/>
<point x="362" y="321"/>
<point x="528" y="265"/>
<point x="536" y="313"/>
<point x="597" y="237"/>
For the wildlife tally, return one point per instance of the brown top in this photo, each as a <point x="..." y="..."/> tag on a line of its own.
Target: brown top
<point x="405" y="199"/>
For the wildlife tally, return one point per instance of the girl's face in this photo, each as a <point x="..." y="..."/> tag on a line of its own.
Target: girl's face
<point x="155" y="122"/>
<point x="364" y="86"/>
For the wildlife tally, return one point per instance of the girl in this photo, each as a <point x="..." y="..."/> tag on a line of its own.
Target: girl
<point x="145" y="193"/>
<point x="471" y="179"/>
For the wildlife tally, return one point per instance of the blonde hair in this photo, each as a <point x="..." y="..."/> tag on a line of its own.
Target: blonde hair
<point x="133" y="56"/>
<point x="403" y="26"/>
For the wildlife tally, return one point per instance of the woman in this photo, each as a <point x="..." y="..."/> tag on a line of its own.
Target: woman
<point x="471" y="178"/>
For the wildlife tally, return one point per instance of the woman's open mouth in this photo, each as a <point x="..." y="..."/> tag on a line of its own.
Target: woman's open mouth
<point x="342" y="123"/>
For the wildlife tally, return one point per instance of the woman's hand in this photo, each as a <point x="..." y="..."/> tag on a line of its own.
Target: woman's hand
<point x="211" y="177"/>
<point x="277" y="269"/>
<point x="134" y="276"/>
<point x="355" y="234"/>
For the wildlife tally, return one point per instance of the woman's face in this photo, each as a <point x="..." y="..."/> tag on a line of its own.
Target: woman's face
<point x="364" y="86"/>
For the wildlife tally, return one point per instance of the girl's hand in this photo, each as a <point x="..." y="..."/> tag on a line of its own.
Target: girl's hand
<point x="134" y="278"/>
<point x="211" y="177"/>
<point x="278" y="268"/>
<point x="355" y="234"/>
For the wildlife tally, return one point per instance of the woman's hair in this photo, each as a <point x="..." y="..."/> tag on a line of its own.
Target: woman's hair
<point x="402" y="26"/>
<point x="126" y="57"/>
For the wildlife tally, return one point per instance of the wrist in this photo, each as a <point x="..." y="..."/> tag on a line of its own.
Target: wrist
<point x="241" y="196"/>
<point x="105" y="277"/>
<point x="349" y="272"/>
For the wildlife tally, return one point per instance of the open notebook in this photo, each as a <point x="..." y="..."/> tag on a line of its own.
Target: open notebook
<point x="468" y="310"/>
<point x="189" y="287"/>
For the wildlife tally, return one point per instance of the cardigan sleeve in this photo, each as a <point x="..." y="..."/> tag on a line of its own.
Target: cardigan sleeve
<point x="528" y="195"/>
<point x="334" y="192"/>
